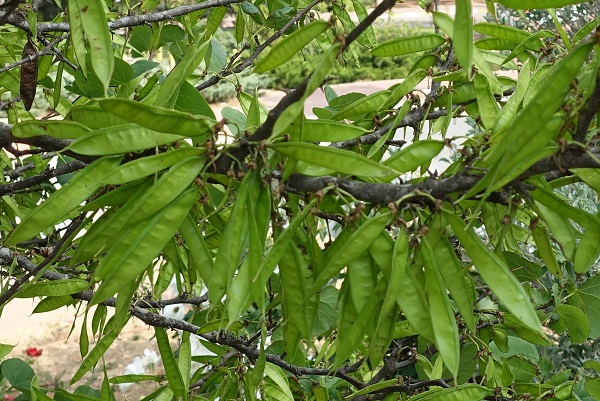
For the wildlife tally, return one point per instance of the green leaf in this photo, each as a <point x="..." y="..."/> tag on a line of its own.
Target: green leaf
<point x="496" y="274"/>
<point x="529" y="4"/>
<point x="120" y="139"/>
<point x="5" y="349"/>
<point x="139" y="247"/>
<point x="170" y="88"/>
<point x="57" y="129"/>
<point x="275" y="373"/>
<point x="462" y="36"/>
<point x="443" y="321"/>
<point x="63" y="201"/>
<point x="408" y="45"/>
<point x="290" y="45"/>
<point x="414" y="156"/>
<point x="330" y="131"/>
<point x="55" y="288"/>
<point x="589" y="293"/>
<point x="158" y="118"/>
<point x="17" y="372"/>
<point x="593" y="387"/>
<point x="95" y="27"/>
<point x="327" y="314"/>
<point x="575" y="321"/>
<point x="170" y="363"/>
<point x="464" y="392"/>
<point x="343" y="161"/>
<point x="351" y="247"/>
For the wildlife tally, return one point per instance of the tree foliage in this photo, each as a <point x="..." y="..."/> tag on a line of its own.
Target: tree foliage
<point x="320" y="258"/>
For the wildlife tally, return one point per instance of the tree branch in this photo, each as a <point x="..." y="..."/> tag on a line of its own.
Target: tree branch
<point x="41" y="177"/>
<point x="383" y="194"/>
<point x="123" y="22"/>
<point x="9" y="293"/>
<point x="45" y="50"/>
<point x="248" y="62"/>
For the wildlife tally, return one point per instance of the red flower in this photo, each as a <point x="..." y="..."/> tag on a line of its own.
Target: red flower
<point x="8" y="397"/>
<point x="34" y="352"/>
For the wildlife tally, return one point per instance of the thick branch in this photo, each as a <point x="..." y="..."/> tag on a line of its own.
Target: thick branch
<point x="45" y="142"/>
<point x="383" y="194"/>
<point x="123" y="22"/>
<point x="42" y="177"/>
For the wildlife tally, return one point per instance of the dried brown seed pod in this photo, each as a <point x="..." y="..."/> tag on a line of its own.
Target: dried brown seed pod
<point x="29" y="71"/>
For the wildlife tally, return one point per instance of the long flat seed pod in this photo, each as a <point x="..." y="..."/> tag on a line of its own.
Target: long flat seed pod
<point x="29" y="72"/>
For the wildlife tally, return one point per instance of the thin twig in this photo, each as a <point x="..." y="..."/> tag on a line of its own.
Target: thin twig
<point x="57" y="52"/>
<point x="44" y="51"/>
<point x="259" y="49"/>
<point x="44" y="176"/>
<point x="9" y="293"/>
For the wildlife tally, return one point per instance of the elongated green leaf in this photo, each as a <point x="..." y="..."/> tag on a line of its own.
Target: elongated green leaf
<point x="351" y="338"/>
<point x="158" y="118"/>
<point x="290" y="45"/>
<point x="587" y="28"/>
<point x="352" y="247"/>
<point x="509" y="111"/>
<point x="444" y="325"/>
<point x="404" y="88"/>
<point x="63" y="201"/>
<point x="414" y="156"/>
<point x="169" y="89"/>
<point x="77" y="35"/>
<point x="486" y="103"/>
<point x="120" y="139"/>
<point x="142" y="204"/>
<point x="291" y="113"/>
<point x="544" y="105"/>
<point x="139" y="247"/>
<point x="56" y="129"/>
<point x="149" y="165"/>
<point x="399" y="262"/>
<point x="496" y="274"/>
<point x="504" y="32"/>
<point x="464" y="392"/>
<point x="367" y="104"/>
<point x="52" y="303"/>
<point x="95" y="27"/>
<point x="233" y="242"/>
<point x="330" y="131"/>
<point x="277" y="250"/>
<point x="201" y="256"/>
<point x="529" y="4"/>
<point x="55" y="288"/>
<point x="408" y="45"/>
<point x="170" y="363"/>
<point x="97" y="352"/>
<point x="343" y="161"/>
<point x="462" y="36"/>
<point x="275" y="373"/>
<point x="133" y="378"/>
